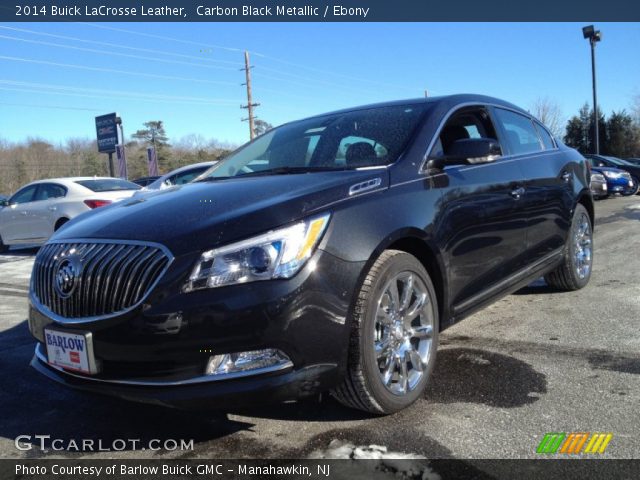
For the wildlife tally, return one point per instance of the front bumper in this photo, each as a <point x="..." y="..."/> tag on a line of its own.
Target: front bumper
<point x="158" y="352"/>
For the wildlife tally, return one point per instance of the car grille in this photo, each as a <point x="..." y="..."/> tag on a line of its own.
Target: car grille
<point x="107" y="278"/>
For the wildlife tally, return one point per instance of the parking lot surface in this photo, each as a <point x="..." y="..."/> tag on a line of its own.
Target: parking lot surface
<point x="537" y="361"/>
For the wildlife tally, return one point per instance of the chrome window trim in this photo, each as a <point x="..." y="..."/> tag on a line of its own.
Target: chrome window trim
<point x="166" y="383"/>
<point x="35" y="302"/>
<point x="452" y="110"/>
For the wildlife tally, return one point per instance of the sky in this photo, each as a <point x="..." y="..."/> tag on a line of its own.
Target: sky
<point x="56" y="77"/>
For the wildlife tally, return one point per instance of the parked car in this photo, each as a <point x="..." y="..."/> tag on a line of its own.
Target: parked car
<point x="613" y="162"/>
<point x="327" y="254"/>
<point x="598" y="186"/>
<point x="618" y="181"/>
<point x="144" y="181"/>
<point x="40" y="208"/>
<point x="179" y="176"/>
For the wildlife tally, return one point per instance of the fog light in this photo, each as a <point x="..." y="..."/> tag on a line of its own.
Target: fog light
<point x="246" y="361"/>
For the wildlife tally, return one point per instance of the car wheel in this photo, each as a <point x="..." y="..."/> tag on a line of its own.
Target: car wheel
<point x="3" y="247"/>
<point x="575" y="271"/>
<point x="635" y="190"/>
<point x="394" y="336"/>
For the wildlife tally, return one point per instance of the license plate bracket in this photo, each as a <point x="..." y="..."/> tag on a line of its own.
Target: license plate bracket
<point x="71" y="350"/>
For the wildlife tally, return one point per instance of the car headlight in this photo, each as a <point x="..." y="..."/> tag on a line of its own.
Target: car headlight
<point x="611" y="174"/>
<point x="277" y="254"/>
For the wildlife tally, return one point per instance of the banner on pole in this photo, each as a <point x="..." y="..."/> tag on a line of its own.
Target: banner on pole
<point x="122" y="162"/>
<point x="152" y="159"/>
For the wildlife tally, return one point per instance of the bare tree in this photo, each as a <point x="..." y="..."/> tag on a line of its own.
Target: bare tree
<point x="550" y="114"/>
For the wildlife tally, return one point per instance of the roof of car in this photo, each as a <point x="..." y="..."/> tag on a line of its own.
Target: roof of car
<point x="190" y="166"/>
<point x="71" y="179"/>
<point x="448" y="101"/>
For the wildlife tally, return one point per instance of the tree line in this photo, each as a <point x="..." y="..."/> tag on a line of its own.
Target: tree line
<point x="618" y="134"/>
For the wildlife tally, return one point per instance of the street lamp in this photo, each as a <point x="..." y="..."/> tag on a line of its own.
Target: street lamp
<point x="594" y="36"/>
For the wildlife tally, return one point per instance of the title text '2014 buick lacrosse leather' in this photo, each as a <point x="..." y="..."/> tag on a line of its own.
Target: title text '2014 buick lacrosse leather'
<point x="326" y="255"/>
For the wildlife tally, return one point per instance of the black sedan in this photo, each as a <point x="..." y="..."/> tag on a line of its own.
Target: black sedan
<point x="325" y="255"/>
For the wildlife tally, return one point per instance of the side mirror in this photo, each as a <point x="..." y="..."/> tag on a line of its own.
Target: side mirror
<point x="473" y="151"/>
<point x="4" y="203"/>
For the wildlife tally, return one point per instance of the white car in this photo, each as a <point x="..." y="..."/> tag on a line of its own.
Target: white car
<point x="179" y="176"/>
<point x="33" y="213"/>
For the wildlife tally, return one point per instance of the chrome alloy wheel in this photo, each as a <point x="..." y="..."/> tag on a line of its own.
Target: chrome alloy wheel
<point x="403" y="335"/>
<point x="583" y="245"/>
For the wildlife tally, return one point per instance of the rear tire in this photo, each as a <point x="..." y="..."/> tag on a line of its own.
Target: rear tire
<point x="3" y="248"/>
<point x="636" y="188"/>
<point x="394" y="336"/>
<point x="575" y="271"/>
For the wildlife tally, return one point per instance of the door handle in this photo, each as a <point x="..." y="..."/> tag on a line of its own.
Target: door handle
<point x="566" y="176"/>
<point x="517" y="192"/>
<point x="53" y="209"/>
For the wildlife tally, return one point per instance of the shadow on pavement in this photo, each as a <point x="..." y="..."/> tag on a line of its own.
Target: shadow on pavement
<point x="479" y="376"/>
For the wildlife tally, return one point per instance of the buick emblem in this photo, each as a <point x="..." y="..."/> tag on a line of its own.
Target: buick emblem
<point x="67" y="275"/>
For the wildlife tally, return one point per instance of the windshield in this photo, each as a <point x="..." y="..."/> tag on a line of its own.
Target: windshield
<point x="361" y="138"/>
<point x="108" y="184"/>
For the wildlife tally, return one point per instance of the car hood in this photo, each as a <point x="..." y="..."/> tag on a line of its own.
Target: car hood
<point x="204" y="215"/>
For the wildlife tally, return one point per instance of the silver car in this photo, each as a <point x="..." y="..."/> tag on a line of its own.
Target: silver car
<point x="33" y="213"/>
<point x="179" y="176"/>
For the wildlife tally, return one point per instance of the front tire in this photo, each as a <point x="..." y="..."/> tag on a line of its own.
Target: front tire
<point x="394" y="336"/>
<point x="575" y="271"/>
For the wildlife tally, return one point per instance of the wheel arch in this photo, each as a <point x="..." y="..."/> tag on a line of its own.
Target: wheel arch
<point x="414" y="242"/>
<point x="59" y="222"/>
<point x="586" y="200"/>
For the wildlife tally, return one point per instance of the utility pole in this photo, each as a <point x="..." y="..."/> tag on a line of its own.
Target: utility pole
<point x="250" y="105"/>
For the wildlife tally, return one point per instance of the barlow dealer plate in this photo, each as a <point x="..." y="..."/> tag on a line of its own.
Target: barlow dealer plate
<point x="71" y="351"/>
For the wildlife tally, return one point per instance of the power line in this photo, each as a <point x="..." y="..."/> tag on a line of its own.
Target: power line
<point x="116" y="45"/>
<point x="57" y="107"/>
<point x="161" y="37"/>
<point x="88" y="95"/>
<point x="118" y="54"/>
<point x="258" y="54"/>
<point x="125" y="93"/>
<point x="112" y="70"/>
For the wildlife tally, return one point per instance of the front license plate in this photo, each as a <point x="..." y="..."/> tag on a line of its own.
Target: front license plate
<point x="71" y="351"/>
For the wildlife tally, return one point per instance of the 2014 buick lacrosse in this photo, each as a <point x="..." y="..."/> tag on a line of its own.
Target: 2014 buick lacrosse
<point x="325" y="255"/>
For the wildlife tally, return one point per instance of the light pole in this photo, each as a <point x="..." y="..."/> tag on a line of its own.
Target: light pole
<point x="594" y="36"/>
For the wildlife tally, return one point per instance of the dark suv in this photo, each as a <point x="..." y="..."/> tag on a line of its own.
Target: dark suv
<point x="327" y="254"/>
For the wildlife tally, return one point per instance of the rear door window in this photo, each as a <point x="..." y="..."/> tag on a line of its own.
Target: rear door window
<point x="545" y="136"/>
<point x="522" y="136"/>
<point x="48" y="191"/>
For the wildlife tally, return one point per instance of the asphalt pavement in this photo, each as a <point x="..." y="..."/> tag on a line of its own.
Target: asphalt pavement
<point x="537" y="361"/>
